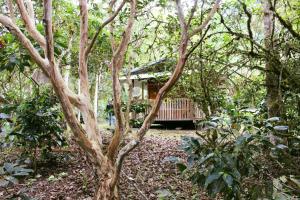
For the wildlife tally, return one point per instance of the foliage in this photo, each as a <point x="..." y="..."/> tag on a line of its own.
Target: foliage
<point x="10" y="172"/>
<point x="136" y="123"/>
<point x="139" y="107"/>
<point x="12" y="54"/>
<point x="38" y="123"/>
<point x="237" y="152"/>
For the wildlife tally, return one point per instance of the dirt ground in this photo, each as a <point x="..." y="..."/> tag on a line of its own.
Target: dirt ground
<point x="148" y="173"/>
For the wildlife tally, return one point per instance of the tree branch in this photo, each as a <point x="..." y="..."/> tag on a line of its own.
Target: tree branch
<point x="107" y="21"/>
<point x="29" y="24"/>
<point x="248" y="23"/>
<point x="47" y="20"/>
<point x="180" y="15"/>
<point x="162" y="92"/>
<point x="30" y="9"/>
<point x="67" y="51"/>
<point x="11" y="10"/>
<point x="14" y="29"/>
<point x="193" y="10"/>
<point x="116" y="64"/>
<point x="207" y="20"/>
<point x="87" y="110"/>
<point x="285" y="24"/>
<point x="83" y="73"/>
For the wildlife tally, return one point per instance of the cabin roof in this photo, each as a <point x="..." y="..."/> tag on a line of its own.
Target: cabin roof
<point x="152" y="67"/>
<point x="147" y="76"/>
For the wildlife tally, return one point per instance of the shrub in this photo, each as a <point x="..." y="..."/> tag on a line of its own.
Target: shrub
<point x="38" y="124"/>
<point x="240" y="155"/>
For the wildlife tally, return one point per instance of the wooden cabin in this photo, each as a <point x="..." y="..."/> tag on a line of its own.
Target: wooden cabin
<point x="147" y="81"/>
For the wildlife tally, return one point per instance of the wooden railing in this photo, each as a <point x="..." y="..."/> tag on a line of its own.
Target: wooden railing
<point x="178" y="109"/>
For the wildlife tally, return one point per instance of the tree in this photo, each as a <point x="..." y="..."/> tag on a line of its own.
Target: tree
<point x="274" y="96"/>
<point x="108" y="165"/>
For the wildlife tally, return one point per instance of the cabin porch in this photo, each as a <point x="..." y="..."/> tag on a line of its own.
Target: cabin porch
<point x="178" y="109"/>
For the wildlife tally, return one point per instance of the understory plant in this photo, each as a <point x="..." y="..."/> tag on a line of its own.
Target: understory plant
<point x="138" y="110"/>
<point x="11" y="172"/>
<point x="38" y="125"/>
<point x="240" y="154"/>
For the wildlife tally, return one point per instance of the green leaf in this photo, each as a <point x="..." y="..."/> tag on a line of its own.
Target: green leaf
<point x="211" y="178"/>
<point x="12" y="179"/>
<point x="228" y="179"/>
<point x="273" y="119"/>
<point x="281" y="128"/>
<point x="181" y="167"/>
<point x="4" y="183"/>
<point x="164" y="193"/>
<point x="242" y="139"/>
<point x="21" y="174"/>
<point x="9" y="167"/>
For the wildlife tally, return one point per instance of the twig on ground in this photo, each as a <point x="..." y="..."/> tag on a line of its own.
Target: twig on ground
<point x="136" y="187"/>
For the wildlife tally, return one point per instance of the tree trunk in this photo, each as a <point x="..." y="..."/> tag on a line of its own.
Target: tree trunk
<point x="274" y="97"/>
<point x="108" y="187"/>
<point x="78" y="114"/>
<point x="67" y="74"/>
<point x="96" y="95"/>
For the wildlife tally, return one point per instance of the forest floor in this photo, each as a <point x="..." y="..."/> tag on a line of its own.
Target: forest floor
<point x="148" y="173"/>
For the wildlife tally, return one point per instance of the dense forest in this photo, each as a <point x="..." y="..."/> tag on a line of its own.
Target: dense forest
<point x="95" y="97"/>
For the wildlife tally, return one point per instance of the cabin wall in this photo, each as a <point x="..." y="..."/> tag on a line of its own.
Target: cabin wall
<point x="140" y="90"/>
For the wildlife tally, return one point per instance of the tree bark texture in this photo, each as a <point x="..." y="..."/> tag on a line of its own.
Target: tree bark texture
<point x="272" y="80"/>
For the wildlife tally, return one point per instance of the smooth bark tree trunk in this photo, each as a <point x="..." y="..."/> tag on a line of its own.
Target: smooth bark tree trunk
<point x="96" y="95"/>
<point x="272" y="80"/>
<point x="78" y="114"/>
<point x="67" y="74"/>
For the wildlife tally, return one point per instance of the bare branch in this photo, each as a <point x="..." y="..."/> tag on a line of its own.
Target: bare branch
<point x="43" y="63"/>
<point x="116" y="64"/>
<point x="30" y="9"/>
<point x="67" y="51"/>
<point x="248" y="22"/>
<point x="29" y="24"/>
<point x="285" y="24"/>
<point x="241" y="35"/>
<point x="199" y="42"/>
<point x="107" y="21"/>
<point x="11" y="10"/>
<point x="208" y="18"/>
<point x="48" y="32"/>
<point x="192" y="12"/>
<point x="87" y="109"/>
<point x="180" y="15"/>
<point x="83" y="72"/>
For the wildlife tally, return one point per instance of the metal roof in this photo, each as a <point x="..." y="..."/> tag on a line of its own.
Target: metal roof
<point x="150" y="67"/>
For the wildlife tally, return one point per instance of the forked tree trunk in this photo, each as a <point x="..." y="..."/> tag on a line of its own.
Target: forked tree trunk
<point x="108" y="188"/>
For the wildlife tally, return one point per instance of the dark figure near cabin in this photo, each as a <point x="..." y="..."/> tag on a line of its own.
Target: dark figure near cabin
<point x="110" y="111"/>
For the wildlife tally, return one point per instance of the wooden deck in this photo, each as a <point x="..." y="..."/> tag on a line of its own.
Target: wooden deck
<point x="179" y="109"/>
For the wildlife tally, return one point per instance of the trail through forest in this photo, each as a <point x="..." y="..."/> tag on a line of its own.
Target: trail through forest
<point x="149" y="173"/>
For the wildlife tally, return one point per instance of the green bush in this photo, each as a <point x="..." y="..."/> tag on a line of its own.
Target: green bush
<point x="38" y="124"/>
<point x="239" y="155"/>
